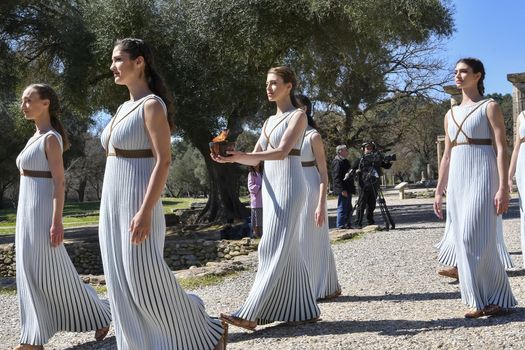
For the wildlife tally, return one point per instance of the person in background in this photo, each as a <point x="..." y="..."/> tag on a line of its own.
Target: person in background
<point x="255" y="177"/>
<point x="343" y="188"/>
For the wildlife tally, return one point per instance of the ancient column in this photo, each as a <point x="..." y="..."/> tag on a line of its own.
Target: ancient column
<point x="518" y="95"/>
<point x="455" y="94"/>
<point x="455" y="100"/>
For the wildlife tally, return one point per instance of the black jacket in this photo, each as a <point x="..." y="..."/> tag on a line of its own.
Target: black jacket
<point x="341" y="166"/>
<point x="377" y="167"/>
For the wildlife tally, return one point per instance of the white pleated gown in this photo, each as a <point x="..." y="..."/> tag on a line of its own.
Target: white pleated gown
<point x="520" y="181"/>
<point x="150" y="309"/>
<point x="472" y="185"/>
<point x="51" y="295"/>
<point x="314" y="240"/>
<point x="447" y="253"/>
<point x="281" y="290"/>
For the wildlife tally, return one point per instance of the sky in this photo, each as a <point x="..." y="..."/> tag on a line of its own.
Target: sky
<point x="494" y="32"/>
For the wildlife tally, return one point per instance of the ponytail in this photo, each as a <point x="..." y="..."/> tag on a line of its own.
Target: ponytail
<point x="305" y="101"/>
<point x="137" y="47"/>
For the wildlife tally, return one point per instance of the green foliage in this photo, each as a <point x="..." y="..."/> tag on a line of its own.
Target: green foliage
<point x="351" y="56"/>
<point x="188" y="175"/>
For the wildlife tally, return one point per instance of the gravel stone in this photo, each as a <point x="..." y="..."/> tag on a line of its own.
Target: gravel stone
<point x="392" y="297"/>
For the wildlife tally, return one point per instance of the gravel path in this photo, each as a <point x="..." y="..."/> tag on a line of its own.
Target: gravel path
<point x="392" y="298"/>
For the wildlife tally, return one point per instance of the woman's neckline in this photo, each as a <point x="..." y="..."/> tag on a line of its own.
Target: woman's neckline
<point x="278" y="116"/>
<point x="472" y="104"/>
<point x="143" y="97"/>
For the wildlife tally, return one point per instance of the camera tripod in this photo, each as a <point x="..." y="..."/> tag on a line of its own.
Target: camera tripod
<point x="380" y="198"/>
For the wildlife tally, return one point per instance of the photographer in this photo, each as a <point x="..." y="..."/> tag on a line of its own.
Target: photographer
<point x="343" y="187"/>
<point x="368" y="170"/>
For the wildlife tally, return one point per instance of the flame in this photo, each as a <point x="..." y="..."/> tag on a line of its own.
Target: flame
<point x="221" y="137"/>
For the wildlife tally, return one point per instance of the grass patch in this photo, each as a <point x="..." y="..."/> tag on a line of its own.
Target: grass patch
<point x="101" y="289"/>
<point x="8" y="291"/>
<point x="87" y="213"/>
<point x="204" y="281"/>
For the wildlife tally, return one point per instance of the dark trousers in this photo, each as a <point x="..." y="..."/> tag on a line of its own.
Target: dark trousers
<point x="344" y="210"/>
<point x="367" y="199"/>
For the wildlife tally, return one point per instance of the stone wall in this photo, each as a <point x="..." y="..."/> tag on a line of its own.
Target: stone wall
<point x="178" y="253"/>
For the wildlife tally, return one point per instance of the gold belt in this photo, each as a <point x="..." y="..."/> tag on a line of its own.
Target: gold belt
<point x="295" y="152"/>
<point x="132" y="153"/>
<point x="308" y="164"/>
<point x="36" y="173"/>
<point x="486" y="142"/>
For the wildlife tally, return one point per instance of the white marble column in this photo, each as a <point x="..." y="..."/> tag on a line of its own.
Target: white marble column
<point x="518" y="95"/>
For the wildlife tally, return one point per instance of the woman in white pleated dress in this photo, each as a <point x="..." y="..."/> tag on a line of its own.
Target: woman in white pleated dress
<point x="476" y="179"/>
<point x="314" y="238"/>
<point x="281" y="290"/>
<point x="51" y="295"/>
<point x="150" y="309"/>
<point x="517" y="167"/>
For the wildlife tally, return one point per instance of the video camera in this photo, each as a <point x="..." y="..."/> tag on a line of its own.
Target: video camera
<point x="371" y="162"/>
<point x="377" y="157"/>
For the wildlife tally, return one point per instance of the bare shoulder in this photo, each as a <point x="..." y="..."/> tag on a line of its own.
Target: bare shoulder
<point x="493" y="108"/>
<point x="52" y="141"/>
<point x="316" y="136"/>
<point x="298" y="113"/>
<point x="153" y="107"/>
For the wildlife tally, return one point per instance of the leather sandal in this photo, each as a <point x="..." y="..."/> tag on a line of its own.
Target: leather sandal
<point x="451" y="272"/>
<point x="238" y="322"/>
<point x="474" y="314"/>
<point x="101" y="333"/>
<point x="28" y="347"/>
<point x="489" y="310"/>
<point x="223" y="340"/>
<point x="492" y="310"/>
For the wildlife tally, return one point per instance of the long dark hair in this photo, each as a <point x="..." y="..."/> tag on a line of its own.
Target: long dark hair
<point x="477" y="67"/>
<point x="259" y="168"/>
<point x="288" y="76"/>
<point x="46" y="92"/>
<point x="137" y="47"/>
<point x="305" y="101"/>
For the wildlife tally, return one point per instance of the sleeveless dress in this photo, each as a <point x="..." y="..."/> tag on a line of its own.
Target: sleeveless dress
<point x="520" y="181"/>
<point x="51" y="295"/>
<point x="150" y="309"/>
<point x="447" y="253"/>
<point x="315" y="241"/>
<point x="281" y="290"/>
<point x="473" y="183"/>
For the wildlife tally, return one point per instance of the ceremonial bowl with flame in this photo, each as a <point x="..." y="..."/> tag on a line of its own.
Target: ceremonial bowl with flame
<point x="219" y="145"/>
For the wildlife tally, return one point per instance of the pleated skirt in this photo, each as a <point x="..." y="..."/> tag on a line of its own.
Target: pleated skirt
<point x="51" y="295"/>
<point x="473" y="182"/>
<point x="447" y="252"/>
<point x="281" y="290"/>
<point x="315" y="241"/>
<point x="150" y="309"/>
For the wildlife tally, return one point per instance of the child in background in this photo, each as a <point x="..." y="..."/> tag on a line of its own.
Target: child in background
<point x="254" y="187"/>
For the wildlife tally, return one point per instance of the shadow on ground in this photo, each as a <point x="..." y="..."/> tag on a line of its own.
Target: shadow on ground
<point x="395" y="327"/>
<point x="409" y="214"/>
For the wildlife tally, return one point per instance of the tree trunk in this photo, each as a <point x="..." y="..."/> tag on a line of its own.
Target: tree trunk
<point x="81" y="189"/>
<point x="223" y="201"/>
